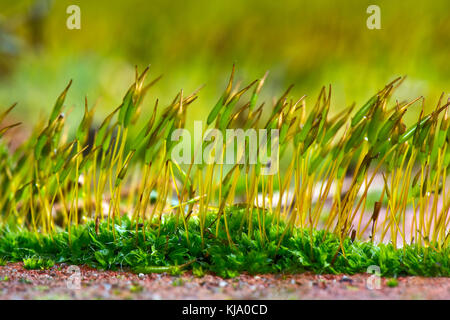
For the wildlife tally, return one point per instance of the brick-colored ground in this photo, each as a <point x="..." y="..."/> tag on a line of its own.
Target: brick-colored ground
<point x="18" y="283"/>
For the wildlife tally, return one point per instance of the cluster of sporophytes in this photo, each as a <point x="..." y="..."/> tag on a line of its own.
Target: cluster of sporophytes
<point x="112" y="201"/>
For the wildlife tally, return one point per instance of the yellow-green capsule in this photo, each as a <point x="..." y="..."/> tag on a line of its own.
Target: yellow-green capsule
<point x="59" y="103"/>
<point x="332" y="131"/>
<point x="281" y="102"/>
<point x="356" y="137"/>
<point x="101" y="133"/>
<point x="222" y="100"/>
<point x="386" y="129"/>
<point x="443" y="130"/>
<point x="7" y="111"/>
<point x="20" y="192"/>
<point x="363" y="168"/>
<point x="42" y="140"/>
<point x="375" y="123"/>
<point x="126" y="103"/>
<point x="5" y="129"/>
<point x="301" y="136"/>
<point x="123" y="170"/>
<point x="215" y="111"/>
<point x="422" y="134"/>
<point x="364" y="111"/>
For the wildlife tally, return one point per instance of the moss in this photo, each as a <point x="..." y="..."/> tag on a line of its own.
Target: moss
<point x="392" y="283"/>
<point x="168" y="247"/>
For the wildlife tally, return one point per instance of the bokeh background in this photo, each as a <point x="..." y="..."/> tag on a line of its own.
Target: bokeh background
<point x="306" y="43"/>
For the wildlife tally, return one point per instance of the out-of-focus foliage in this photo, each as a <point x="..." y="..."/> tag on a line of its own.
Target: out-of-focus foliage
<point x="309" y="43"/>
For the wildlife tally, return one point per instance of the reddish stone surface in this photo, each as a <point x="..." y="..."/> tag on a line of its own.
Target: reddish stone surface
<point x="94" y="284"/>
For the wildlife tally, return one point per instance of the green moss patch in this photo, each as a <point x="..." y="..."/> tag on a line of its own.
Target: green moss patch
<point x="169" y="248"/>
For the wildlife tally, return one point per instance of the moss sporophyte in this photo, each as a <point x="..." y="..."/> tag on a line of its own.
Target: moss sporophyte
<point x="261" y="189"/>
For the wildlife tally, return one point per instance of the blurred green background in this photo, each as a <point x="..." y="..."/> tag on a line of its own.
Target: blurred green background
<point x="307" y="43"/>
